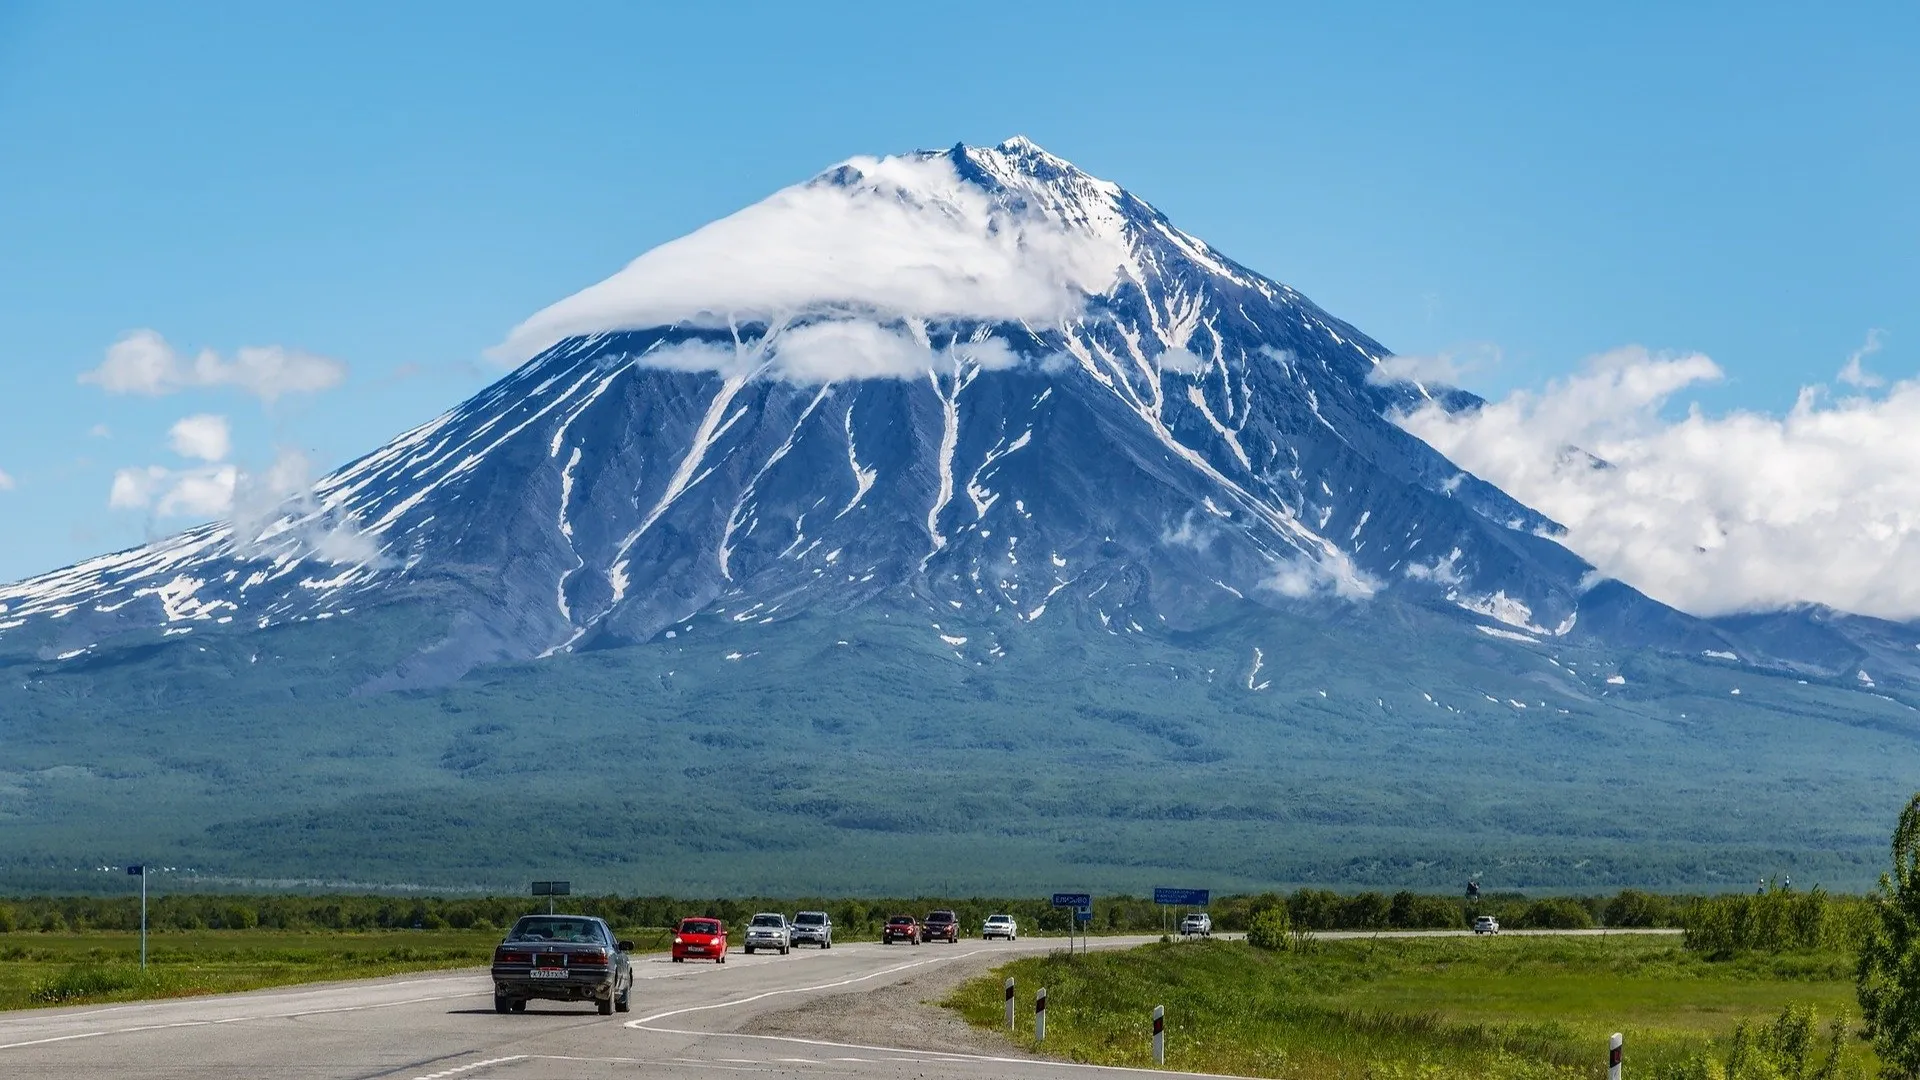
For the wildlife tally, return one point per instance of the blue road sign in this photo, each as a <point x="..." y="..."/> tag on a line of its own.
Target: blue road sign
<point x="1182" y="897"/>
<point x="137" y="871"/>
<point x="1084" y="914"/>
<point x="1073" y="899"/>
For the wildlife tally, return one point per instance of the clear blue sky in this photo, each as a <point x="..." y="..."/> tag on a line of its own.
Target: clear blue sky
<point x="396" y="185"/>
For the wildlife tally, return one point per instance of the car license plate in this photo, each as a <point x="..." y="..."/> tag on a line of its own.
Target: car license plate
<point x="696" y="948"/>
<point x="549" y="973"/>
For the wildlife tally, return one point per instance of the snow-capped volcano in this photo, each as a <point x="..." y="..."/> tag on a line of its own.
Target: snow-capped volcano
<point x="977" y="378"/>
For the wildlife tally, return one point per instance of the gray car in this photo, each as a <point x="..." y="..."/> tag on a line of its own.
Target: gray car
<point x="811" y="928"/>
<point x="562" y="958"/>
<point x="768" y="930"/>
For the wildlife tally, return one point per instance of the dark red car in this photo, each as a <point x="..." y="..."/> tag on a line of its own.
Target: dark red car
<point x="700" y="939"/>
<point x="941" y="926"/>
<point x="900" y="928"/>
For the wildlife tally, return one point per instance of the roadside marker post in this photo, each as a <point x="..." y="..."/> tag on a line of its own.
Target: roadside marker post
<point x="1616" y="1047"/>
<point x="1159" y="1034"/>
<point x="141" y="872"/>
<point x="1009" y="1004"/>
<point x="1040" y="1016"/>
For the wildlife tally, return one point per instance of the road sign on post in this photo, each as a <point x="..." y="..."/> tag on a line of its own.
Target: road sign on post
<point x="141" y="873"/>
<point x="1082" y="905"/>
<point x="551" y="889"/>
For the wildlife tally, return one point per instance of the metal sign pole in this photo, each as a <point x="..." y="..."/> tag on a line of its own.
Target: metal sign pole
<point x="143" y="919"/>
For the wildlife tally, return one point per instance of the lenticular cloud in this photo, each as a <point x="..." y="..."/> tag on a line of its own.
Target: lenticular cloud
<point x="1712" y="514"/>
<point x="893" y="238"/>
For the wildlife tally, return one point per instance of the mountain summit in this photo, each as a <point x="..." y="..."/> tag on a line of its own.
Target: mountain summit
<point x="979" y="375"/>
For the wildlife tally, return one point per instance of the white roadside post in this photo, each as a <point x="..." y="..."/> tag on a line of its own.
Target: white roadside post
<point x="1615" y="1047"/>
<point x="142" y="871"/>
<point x="1009" y="1004"/>
<point x="1159" y="1034"/>
<point x="1040" y="1016"/>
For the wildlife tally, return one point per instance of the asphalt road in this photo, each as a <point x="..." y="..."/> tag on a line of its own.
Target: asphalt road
<point x="688" y="1020"/>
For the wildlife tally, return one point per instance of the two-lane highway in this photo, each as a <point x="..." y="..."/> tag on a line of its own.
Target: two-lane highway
<point x="687" y="1020"/>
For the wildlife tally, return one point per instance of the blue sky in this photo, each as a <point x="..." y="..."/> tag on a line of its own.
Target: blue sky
<point x="395" y="186"/>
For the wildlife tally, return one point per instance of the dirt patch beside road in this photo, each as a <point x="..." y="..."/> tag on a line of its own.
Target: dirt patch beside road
<point x="905" y="1014"/>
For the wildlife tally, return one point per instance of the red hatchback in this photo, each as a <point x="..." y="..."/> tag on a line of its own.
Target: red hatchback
<point x="700" y="939"/>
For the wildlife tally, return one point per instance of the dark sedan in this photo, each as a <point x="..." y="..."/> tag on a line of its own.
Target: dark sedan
<point x="562" y="958"/>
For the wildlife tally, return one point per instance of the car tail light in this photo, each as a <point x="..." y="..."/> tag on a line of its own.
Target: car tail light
<point x="588" y="959"/>
<point x="509" y="956"/>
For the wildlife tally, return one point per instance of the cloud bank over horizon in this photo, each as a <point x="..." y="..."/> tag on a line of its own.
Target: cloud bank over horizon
<point x="143" y="362"/>
<point x="1713" y="514"/>
<point x="891" y="238"/>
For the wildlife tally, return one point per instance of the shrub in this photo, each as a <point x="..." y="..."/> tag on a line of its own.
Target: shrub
<point x="1271" y="929"/>
<point x="1557" y="913"/>
<point x="1633" y="908"/>
<point x="1888" y="981"/>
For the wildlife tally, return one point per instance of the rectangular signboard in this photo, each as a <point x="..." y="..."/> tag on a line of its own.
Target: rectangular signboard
<point x="553" y="888"/>
<point x="1182" y="897"/>
<point x="1084" y="914"/>
<point x="1073" y="899"/>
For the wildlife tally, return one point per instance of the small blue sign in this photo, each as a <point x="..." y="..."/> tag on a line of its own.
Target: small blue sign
<point x="1073" y="899"/>
<point x="1182" y="897"/>
<point x="1084" y="914"/>
<point x="138" y="871"/>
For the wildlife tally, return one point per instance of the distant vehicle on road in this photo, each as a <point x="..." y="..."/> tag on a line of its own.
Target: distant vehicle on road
<point x="700" y="939"/>
<point x="812" y="927"/>
<point x="1486" y="924"/>
<point x="768" y="930"/>
<point x="562" y="958"/>
<point x="941" y="925"/>
<point x="1000" y="926"/>
<point x="900" y="928"/>
<point x="1198" y="924"/>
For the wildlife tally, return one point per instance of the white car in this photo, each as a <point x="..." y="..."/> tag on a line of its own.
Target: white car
<point x="768" y="930"/>
<point x="999" y="926"/>
<point x="1486" y="924"/>
<point x="1199" y="924"/>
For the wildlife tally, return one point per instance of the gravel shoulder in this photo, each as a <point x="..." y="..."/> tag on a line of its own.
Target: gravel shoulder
<point x="905" y="1014"/>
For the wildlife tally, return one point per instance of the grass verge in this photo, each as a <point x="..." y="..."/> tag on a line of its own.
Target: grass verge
<point x="39" y="970"/>
<point x="1384" y="1009"/>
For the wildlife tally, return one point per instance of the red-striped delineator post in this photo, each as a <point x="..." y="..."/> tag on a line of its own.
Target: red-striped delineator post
<point x="1616" y="1047"/>
<point x="1009" y="1004"/>
<point x="1159" y="1034"/>
<point x="1040" y="1016"/>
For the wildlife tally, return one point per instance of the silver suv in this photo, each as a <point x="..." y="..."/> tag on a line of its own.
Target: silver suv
<point x="768" y="930"/>
<point x="1199" y="924"/>
<point x="812" y="928"/>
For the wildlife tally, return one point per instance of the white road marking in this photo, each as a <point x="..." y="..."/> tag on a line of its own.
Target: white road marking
<point x="54" y="1039"/>
<point x="640" y="1023"/>
<point x="458" y="1069"/>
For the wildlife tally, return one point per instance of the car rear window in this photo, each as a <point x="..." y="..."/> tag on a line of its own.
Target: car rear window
<point x="699" y="926"/>
<point x="546" y="928"/>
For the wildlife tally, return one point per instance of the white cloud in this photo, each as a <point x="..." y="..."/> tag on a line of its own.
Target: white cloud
<point x="895" y="238"/>
<point x="142" y="362"/>
<point x="203" y="491"/>
<point x="831" y="350"/>
<point x="100" y="431"/>
<point x="1447" y="368"/>
<point x="278" y="502"/>
<point x="204" y="436"/>
<point x="1180" y="361"/>
<point x="1333" y="574"/>
<point x="1711" y="513"/>
<point x="6" y="481"/>
<point x="1855" y="375"/>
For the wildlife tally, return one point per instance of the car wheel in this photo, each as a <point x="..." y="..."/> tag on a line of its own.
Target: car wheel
<point x="502" y="1004"/>
<point x="749" y="950"/>
<point x="826" y="944"/>
<point x="605" y="1005"/>
<point x="783" y="950"/>
<point x="719" y="959"/>
<point x="679" y="959"/>
<point x="520" y="1005"/>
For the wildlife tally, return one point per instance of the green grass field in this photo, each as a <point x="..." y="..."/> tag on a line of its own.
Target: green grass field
<point x="1503" y="1008"/>
<point x="82" y="968"/>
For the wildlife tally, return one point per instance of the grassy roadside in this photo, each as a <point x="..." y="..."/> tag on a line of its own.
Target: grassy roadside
<point x="38" y="970"/>
<point x="1502" y="1008"/>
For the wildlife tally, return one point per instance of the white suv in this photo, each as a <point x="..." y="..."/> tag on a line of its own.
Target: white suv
<point x="1198" y="924"/>
<point x="768" y="930"/>
<point x="999" y="926"/>
<point x="1486" y="924"/>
